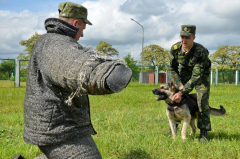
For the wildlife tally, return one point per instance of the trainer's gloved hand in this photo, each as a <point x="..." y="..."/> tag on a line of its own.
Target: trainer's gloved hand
<point x="119" y="78"/>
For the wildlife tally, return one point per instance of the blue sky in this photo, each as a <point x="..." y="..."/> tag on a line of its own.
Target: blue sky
<point x="31" y="5"/>
<point x="217" y="23"/>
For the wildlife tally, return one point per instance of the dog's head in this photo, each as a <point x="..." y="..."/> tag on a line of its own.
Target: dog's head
<point x="165" y="92"/>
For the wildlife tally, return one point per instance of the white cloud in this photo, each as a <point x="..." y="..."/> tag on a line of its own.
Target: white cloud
<point x="225" y="9"/>
<point x="15" y="27"/>
<point x="217" y="24"/>
<point x="144" y="7"/>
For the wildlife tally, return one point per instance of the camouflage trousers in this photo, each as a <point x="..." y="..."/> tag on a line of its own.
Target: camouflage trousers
<point x="203" y="91"/>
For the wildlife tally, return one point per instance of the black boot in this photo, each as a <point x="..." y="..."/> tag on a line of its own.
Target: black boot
<point x="170" y="132"/>
<point x="18" y="157"/>
<point x="203" y="135"/>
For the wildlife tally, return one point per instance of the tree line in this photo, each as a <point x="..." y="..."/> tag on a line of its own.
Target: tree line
<point x="225" y="57"/>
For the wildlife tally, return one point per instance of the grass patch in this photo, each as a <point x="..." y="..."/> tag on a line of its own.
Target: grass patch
<point x="6" y="83"/>
<point x="132" y="124"/>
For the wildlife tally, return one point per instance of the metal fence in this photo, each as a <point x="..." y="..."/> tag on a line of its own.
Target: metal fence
<point x="222" y="76"/>
<point x="7" y="72"/>
<point x="13" y="72"/>
<point x="225" y="76"/>
<point x="16" y="75"/>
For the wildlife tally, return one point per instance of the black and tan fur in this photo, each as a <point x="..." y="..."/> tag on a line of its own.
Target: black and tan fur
<point x="187" y="110"/>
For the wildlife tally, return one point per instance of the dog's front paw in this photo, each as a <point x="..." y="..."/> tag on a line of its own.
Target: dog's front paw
<point x="184" y="137"/>
<point x="174" y="136"/>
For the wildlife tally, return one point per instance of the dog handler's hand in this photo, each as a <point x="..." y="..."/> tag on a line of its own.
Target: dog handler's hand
<point x="177" y="97"/>
<point x="181" y="87"/>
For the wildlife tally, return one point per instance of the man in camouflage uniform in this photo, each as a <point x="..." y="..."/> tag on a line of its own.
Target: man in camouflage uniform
<point x="61" y="75"/>
<point x="190" y="68"/>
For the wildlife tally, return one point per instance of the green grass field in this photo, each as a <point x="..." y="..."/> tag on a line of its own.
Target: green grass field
<point x="133" y="125"/>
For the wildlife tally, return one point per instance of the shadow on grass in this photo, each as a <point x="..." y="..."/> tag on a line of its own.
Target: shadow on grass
<point x="137" y="154"/>
<point x="213" y="136"/>
<point x="223" y="135"/>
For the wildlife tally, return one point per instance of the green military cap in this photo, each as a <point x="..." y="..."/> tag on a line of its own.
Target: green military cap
<point x="187" y="30"/>
<point x="73" y="10"/>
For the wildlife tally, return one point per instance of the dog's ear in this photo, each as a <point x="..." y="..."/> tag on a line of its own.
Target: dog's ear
<point x="173" y="89"/>
<point x="172" y="86"/>
<point x="171" y="83"/>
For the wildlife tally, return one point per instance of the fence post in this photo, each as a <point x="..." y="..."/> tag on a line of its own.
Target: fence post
<point x="156" y="75"/>
<point x="17" y="71"/>
<point x="237" y="77"/>
<point x="216" y="77"/>
<point x="167" y="76"/>
<point x="211" y="77"/>
<point x="141" y="77"/>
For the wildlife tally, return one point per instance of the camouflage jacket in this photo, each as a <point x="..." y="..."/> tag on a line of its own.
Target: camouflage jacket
<point x="57" y="68"/>
<point x="188" y="69"/>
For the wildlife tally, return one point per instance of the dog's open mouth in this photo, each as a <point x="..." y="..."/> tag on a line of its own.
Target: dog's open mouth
<point x="161" y="97"/>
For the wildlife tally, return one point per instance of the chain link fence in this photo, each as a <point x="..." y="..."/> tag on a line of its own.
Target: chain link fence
<point x="9" y="68"/>
<point x="221" y="76"/>
<point x="141" y="74"/>
<point x="225" y="76"/>
<point x="7" y="72"/>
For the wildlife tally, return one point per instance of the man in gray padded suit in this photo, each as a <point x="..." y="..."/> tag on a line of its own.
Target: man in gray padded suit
<point x="61" y="75"/>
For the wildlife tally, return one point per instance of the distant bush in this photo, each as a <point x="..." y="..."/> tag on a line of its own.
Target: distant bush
<point x="23" y="79"/>
<point x="12" y="78"/>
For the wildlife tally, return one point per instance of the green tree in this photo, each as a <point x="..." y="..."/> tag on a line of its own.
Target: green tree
<point x="155" y="55"/>
<point x="131" y="62"/>
<point x="106" y="49"/>
<point x="29" y="44"/>
<point x="226" y="57"/>
<point x="6" y="68"/>
<point x="235" y="56"/>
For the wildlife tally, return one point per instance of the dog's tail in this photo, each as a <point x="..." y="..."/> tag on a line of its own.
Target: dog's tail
<point x="218" y="112"/>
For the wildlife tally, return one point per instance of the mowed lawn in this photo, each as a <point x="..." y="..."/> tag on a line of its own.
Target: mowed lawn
<point x="132" y="125"/>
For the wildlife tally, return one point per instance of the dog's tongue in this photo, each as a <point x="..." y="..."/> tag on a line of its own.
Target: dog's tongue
<point x="158" y="98"/>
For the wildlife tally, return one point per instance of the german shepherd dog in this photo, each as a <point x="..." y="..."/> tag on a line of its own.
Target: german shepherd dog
<point x="187" y="110"/>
